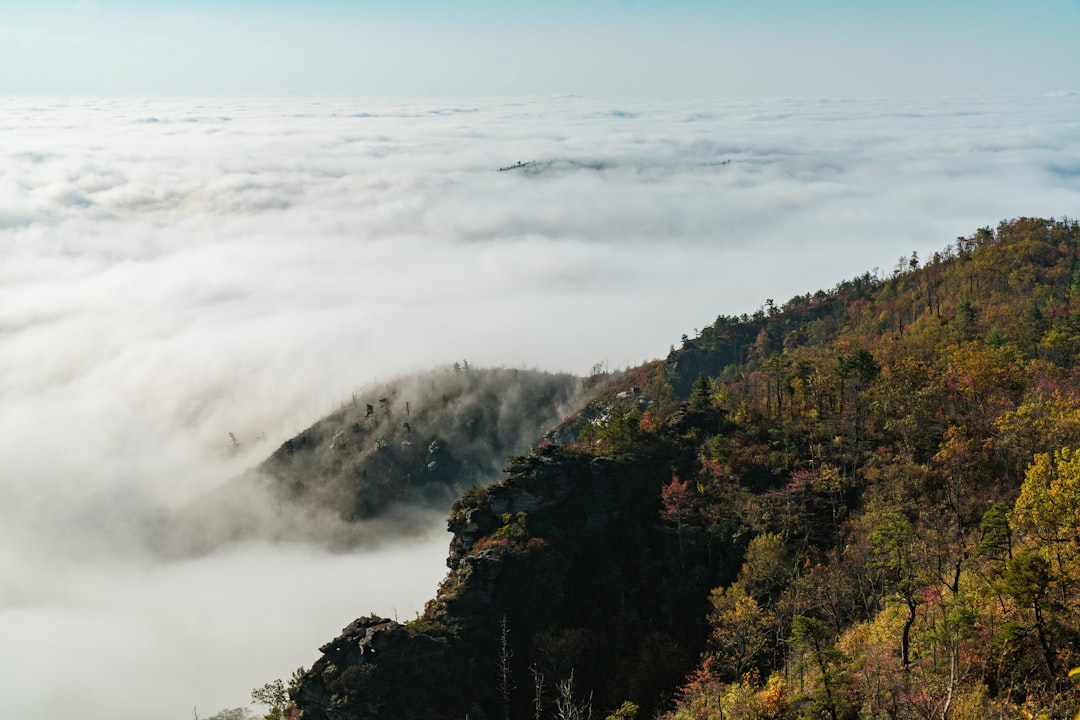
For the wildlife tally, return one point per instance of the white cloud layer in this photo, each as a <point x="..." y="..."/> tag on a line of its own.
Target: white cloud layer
<point x="175" y="270"/>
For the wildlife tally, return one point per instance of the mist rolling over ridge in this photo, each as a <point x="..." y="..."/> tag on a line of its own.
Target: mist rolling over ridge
<point x="178" y="270"/>
<point x="383" y="467"/>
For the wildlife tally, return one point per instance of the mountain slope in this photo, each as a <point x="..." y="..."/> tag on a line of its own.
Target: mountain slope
<point x="862" y="502"/>
<point x="421" y="440"/>
<point x="386" y="464"/>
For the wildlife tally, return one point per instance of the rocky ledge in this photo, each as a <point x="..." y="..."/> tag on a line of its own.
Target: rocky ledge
<point x="562" y="568"/>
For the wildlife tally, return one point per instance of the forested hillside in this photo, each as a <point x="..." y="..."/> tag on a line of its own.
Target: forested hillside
<point x="900" y="466"/>
<point x="420" y="440"/>
<point x="859" y="503"/>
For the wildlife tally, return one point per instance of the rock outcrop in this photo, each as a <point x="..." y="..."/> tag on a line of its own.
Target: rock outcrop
<point x="563" y="567"/>
<point x="362" y="673"/>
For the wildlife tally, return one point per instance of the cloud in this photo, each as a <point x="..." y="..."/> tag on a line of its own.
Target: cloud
<point x="243" y="266"/>
<point x="140" y="639"/>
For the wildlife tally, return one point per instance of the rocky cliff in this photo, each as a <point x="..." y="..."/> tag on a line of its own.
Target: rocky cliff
<point x="853" y="473"/>
<point x="564" y="568"/>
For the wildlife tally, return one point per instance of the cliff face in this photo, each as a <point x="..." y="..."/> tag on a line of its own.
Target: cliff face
<point x="564" y="567"/>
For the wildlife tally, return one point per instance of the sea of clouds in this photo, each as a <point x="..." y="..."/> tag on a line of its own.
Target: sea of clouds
<point x="174" y="270"/>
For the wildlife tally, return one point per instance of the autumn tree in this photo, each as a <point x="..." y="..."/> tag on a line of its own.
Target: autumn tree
<point x="893" y="540"/>
<point x="679" y="508"/>
<point x="741" y="637"/>
<point x="1049" y="501"/>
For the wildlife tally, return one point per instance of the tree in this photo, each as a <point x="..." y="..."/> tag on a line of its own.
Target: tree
<point x="700" y="395"/>
<point x="619" y="431"/>
<point x="765" y="565"/>
<point x="893" y="539"/>
<point x="814" y="639"/>
<point x="1043" y="423"/>
<point x="505" y="656"/>
<point x="1049" y="502"/>
<point x="1027" y="580"/>
<point x="538" y="691"/>
<point x="965" y="319"/>
<point x="741" y="630"/>
<point x="996" y="535"/>
<point x="678" y="507"/>
<point x="1042" y="577"/>
<point x="567" y="707"/>
<point x="859" y="365"/>
<point x="627" y="711"/>
<point x="273" y="695"/>
<point x="856" y="371"/>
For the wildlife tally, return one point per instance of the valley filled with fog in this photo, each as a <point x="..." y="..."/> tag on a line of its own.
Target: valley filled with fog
<point x="176" y="270"/>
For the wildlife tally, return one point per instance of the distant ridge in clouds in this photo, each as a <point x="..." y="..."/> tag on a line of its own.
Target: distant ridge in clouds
<point x="243" y="265"/>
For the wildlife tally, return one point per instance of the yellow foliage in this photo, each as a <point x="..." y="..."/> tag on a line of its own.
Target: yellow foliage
<point x="873" y="647"/>
<point x="773" y="697"/>
<point x="1049" y="502"/>
<point x="874" y="638"/>
<point x="970" y="703"/>
<point x="1040" y="424"/>
<point x="740" y="629"/>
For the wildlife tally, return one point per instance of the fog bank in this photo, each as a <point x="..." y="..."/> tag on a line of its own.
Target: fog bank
<point x="177" y="270"/>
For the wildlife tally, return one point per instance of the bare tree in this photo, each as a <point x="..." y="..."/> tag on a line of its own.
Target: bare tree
<point x="566" y="707"/>
<point x="538" y="691"/>
<point x="505" y="655"/>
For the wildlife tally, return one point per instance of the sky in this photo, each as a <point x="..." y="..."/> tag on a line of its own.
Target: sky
<point x="229" y="217"/>
<point x="676" y="48"/>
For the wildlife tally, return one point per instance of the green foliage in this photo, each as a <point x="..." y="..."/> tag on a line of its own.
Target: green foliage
<point x="892" y="539"/>
<point x="1027" y="578"/>
<point x="618" y="431"/>
<point x="475" y="494"/>
<point x="700" y="395"/>
<point x="966" y="313"/>
<point x="996" y="535"/>
<point x="859" y="365"/>
<point x="813" y="636"/>
<point x="814" y="639"/>
<point x="513" y="527"/>
<point x="273" y="695"/>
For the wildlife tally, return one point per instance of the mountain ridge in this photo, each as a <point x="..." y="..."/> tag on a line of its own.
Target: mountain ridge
<point x="852" y="504"/>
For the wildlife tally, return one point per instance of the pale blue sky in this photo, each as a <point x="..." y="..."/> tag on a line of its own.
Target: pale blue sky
<point x="481" y="47"/>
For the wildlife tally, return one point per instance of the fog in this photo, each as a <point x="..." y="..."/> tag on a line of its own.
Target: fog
<point x="175" y="270"/>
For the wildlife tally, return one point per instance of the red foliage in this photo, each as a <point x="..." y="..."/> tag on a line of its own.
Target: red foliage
<point x="714" y="468"/>
<point x="679" y="501"/>
<point x="648" y="422"/>
<point x="703" y="683"/>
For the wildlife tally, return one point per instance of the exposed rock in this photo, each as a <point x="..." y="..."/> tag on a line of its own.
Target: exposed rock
<point x="569" y="551"/>
<point x="362" y="670"/>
